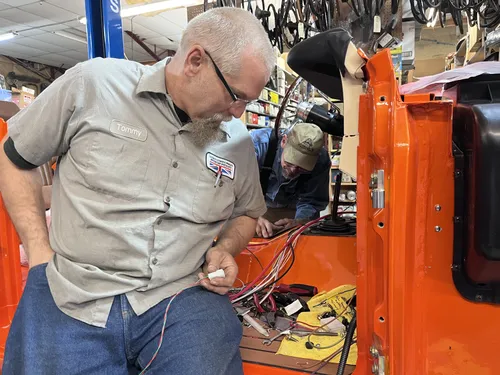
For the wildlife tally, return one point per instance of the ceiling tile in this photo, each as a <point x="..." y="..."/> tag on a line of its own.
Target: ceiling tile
<point x="60" y="41"/>
<point x="143" y="32"/>
<point x="33" y="32"/>
<point x="7" y="25"/>
<point x="80" y="47"/>
<point x="160" y="41"/>
<point x="176" y="16"/>
<point x="175" y="38"/>
<point x="75" y="23"/>
<point x="14" y="47"/>
<point x="14" y="54"/>
<point x="74" y="6"/>
<point x="20" y="16"/>
<point x="157" y="24"/>
<point x="56" y="60"/>
<point x="17" y="3"/>
<point x="45" y="60"/>
<point x="75" y="55"/>
<point x="136" y="55"/>
<point x="81" y="27"/>
<point x="34" y="43"/>
<point x="4" y="6"/>
<point x="59" y="27"/>
<point x="50" y="12"/>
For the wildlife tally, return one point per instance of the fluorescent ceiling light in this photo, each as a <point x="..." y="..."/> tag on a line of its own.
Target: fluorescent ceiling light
<point x="74" y="37"/>
<point x="152" y="7"/>
<point x="7" y="36"/>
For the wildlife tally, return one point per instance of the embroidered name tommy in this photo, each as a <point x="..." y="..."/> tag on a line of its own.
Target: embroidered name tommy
<point x="128" y="131"/>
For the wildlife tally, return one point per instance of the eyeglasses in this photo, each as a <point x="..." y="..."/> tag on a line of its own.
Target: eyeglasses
<point x="236" y="101"/>
<point x="295" y="167"/>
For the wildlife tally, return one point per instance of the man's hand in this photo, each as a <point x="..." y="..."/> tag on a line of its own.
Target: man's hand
<point x="288" y="223"/>
<point x="219" y="259"/>
<point x="40" y="256"/>
<point x="265" y="228"/>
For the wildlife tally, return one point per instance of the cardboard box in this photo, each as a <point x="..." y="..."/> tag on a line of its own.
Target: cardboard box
<point x="23" y="97"/>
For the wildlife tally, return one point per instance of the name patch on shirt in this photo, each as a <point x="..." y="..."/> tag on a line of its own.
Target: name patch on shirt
<point x="219" y="165"/>
<point x="129" y="131"/>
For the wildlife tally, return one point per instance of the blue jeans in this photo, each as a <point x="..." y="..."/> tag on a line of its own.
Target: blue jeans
<point x="202" y="337"/>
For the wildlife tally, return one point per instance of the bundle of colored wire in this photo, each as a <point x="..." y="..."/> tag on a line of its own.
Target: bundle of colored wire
<point x="270" y="273"/>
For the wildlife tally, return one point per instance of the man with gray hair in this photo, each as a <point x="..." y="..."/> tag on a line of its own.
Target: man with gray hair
<point x="152" y="168"/>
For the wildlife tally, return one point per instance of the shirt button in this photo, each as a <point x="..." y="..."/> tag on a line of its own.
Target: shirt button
<point x="154" y="261"/>
<point x="167" y="200"/>
<point x="175" y="164"/>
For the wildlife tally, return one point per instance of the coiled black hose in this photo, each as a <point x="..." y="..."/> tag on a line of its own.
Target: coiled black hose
<point x="347" y="346"/>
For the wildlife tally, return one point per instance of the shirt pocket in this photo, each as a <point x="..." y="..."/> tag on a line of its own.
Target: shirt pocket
<point x="116" y="166"/>
<point x="212" y="204"/>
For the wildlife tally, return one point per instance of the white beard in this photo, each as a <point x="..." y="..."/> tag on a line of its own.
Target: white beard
<point x="206" y="131"/>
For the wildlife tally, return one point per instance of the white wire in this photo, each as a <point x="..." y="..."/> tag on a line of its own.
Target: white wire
<point x="279" y="264"/>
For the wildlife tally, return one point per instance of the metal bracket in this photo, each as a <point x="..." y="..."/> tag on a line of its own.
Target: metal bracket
<point x="378" y="193"/>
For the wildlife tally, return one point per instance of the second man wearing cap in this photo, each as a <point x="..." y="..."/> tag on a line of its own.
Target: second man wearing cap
<point x="296" y="184"/>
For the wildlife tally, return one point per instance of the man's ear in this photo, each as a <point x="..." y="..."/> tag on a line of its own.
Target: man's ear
<point x="283" y="141"/>
<point x="194" y="61"/>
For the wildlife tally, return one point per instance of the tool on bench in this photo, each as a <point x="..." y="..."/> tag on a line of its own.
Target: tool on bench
<point x="266" y="309"/>
<point x="269" y="305"/>
<point x="301" y="333"/>
<point x="298" y="289"/>
<point x="244" y="314"/>
<point x="287" y="333"/>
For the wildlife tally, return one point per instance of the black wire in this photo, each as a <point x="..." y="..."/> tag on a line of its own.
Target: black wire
<point x="256" y="258"/>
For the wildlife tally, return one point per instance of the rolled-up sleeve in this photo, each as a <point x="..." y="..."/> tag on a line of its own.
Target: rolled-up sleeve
<point x="249" y="198"/>
<point x="44" y="129"/>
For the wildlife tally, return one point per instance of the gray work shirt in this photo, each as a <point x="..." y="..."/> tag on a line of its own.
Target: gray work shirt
<point x="134" y="205"/>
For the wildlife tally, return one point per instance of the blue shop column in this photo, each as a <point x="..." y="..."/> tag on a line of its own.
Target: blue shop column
<point x="104" y="28"/>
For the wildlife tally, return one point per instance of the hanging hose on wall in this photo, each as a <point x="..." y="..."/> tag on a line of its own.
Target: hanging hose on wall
<point x="429" y="11"/>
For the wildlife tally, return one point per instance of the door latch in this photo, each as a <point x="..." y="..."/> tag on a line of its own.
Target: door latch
<point x="378" y="191"/>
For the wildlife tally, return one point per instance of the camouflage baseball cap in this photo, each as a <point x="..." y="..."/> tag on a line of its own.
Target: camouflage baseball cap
<point x="304" y="143"/>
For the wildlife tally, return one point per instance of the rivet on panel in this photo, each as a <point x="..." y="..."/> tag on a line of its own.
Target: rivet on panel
<point x="438" y="228"/>
<point x="437" y="207"/>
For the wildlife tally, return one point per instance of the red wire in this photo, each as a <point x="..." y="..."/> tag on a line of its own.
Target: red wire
<point x="266" y="269"/>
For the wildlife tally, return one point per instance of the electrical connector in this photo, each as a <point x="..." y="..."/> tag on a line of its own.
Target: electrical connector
<point x="218" y="273"/>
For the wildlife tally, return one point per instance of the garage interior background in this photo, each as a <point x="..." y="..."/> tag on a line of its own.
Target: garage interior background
<point x="50" y="37"/>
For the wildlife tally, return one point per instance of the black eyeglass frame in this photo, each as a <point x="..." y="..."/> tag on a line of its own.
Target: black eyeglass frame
<point x="226" y="85"/>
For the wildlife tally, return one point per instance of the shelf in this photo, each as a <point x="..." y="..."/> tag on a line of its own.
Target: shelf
<point x="268" y="89"/>
<point x="346" y="184"/>
<point x="287" y="72"/>
<point x="268" y="102"/>
<point x="257" y="126"/>
<point x="261" y="113"/>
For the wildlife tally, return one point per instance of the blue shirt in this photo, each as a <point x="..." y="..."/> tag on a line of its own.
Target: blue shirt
<point x="308" y="193"/>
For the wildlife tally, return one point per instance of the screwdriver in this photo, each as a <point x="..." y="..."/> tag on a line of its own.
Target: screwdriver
<point x="298" y="289"/>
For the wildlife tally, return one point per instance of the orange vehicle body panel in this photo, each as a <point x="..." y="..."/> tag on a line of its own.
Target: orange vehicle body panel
<point x="10" y="267"/>
<point x="322" y="261"/>
<point x="408" y="306"/>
